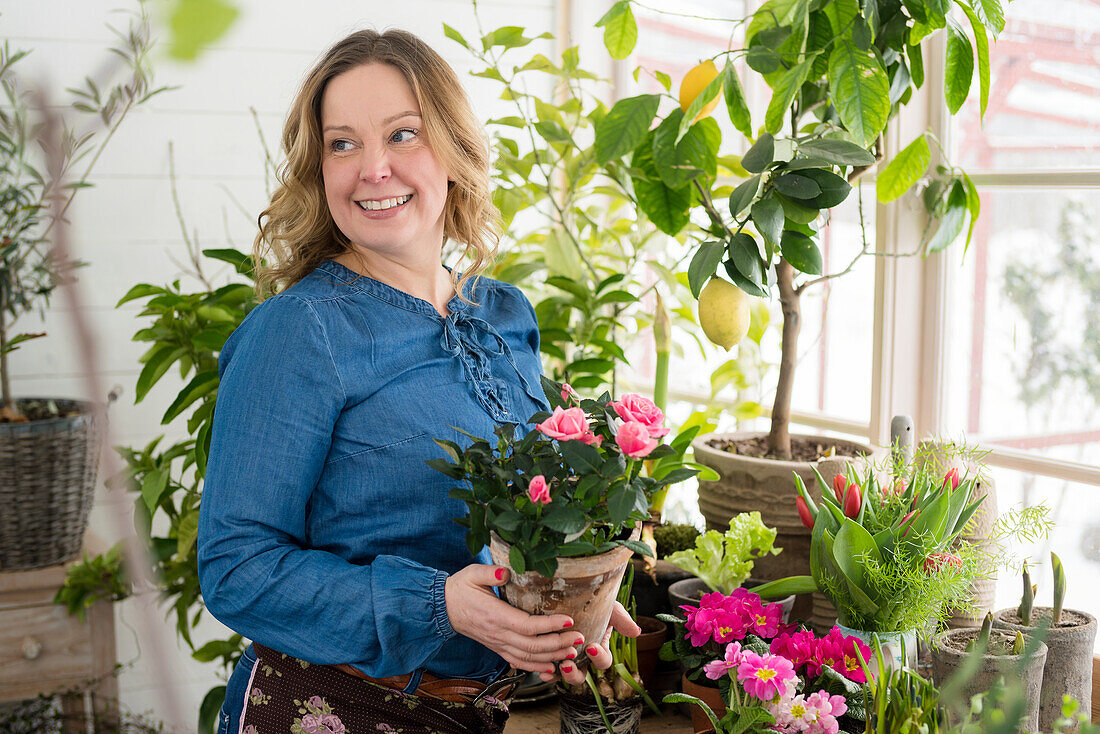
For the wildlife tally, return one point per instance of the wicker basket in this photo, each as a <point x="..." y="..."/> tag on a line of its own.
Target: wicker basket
<point x="47" y="483"/>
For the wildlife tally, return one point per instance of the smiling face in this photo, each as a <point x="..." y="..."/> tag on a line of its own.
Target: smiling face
<point x="385" y="189"/>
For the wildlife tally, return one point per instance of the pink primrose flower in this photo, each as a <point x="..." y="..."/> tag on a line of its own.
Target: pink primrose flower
<point x="643" y="410"/>
<point x="565" y="424"/>
<point x="825" y="709"/>
<point x="538" y="490"/>
<point x="764" y="677"/>
<point x="633" y="438"/>
<point x="717" y="668"/>
<point x="765" y="619"/>
<point x="800" y="648"/>
<point x="792" y="714"/>
<point x="845" y="659"/>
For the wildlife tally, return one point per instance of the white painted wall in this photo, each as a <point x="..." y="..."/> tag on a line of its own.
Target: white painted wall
<point x="126" y="226"/>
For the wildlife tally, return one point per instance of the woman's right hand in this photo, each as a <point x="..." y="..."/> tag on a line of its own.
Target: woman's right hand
<point x="528" y="642"/>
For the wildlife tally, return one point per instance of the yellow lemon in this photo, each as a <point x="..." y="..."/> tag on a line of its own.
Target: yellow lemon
<point x="695" y="81"/>
<point x="724" y="313"/>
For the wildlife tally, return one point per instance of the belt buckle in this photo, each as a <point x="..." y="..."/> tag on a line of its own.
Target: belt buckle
<point x="499" y="684"/>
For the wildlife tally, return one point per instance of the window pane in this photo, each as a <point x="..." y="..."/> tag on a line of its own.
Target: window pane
<point x="1044" y="95"/>
<point x="1024" y="354"/>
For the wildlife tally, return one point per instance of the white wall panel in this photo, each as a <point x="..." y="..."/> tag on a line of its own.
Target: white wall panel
<point x="126" y="226"/>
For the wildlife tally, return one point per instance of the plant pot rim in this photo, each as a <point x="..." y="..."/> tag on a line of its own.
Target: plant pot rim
<point x="619" y="555"/>
<point x="1089" y="620"/>
<point x="86" y="407"/>
<point x="699" y="445"/>
<point x="944" y="640"/>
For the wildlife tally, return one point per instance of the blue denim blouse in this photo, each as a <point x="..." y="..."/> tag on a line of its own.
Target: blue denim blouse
<point x="323" y="533"/>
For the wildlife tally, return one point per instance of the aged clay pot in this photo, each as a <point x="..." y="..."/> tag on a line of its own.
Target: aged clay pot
<point x="648" y="645"/>
<point x="949" y="652"/>
<point x="1068" y="667"/>
<point x="582" y="588"/>
<point x="710" y="696"/>
<point x="748" y="483"/>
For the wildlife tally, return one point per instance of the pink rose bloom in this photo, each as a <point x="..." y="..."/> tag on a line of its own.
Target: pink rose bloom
<point x="764" y="677"/>
<point x="643" y="410"/>
<point x="591" y="439"/>
<point x="568" y="394"/>
<point x="565" y="424"/>
<point x="538" y="490"/>
<point x="717" y="668"/>
<point x="633" y="438"/>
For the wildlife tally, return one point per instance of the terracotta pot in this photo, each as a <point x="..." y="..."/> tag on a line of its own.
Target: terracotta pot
<point x="710" y="696"/>
<point x="654" y="634"/>
<point x="689" y="591"/>
<point x="582" y="588"/>
<point x="1068" y="667"/>
<point x="651" y="592"/>
<point x="767" y="485"/>
<point x="579" y="714"/>
<point x="949" y="654"/>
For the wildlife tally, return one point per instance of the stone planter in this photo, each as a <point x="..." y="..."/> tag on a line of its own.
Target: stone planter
<point x="1068" y="667"/>
<point x="689" y="591"/>
<point x="899" y="649"/>
<point x="583" y="588"/>
<point x="580" y="715"/>
<point x="648" y="645"/>
<point x="767" y="485"/>
<point x="949" y="653"/>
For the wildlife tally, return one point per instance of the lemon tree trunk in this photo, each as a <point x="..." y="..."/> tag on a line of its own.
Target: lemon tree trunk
<point x="779" y="438"/>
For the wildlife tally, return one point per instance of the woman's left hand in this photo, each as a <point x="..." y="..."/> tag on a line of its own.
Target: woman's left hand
<point x="598" y="654"/>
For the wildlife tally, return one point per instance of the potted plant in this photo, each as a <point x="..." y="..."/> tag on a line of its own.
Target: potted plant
<point x="49" y="446"/>
<point x="838" y="72"/>
<point x="882" y="552"/>
<point x="981" y="656"/>
<point x="724" y="561"/>
<point x="609" y="700"/>
<point x="721" y="626"/>
<point x="561" y="504"/>
<point x="900" y="699"/>
<point x="1069" y="635"/>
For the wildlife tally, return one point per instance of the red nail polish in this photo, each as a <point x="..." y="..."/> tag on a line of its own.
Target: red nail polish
<point x="500" y="574"/>
<point x="580" y="641"/>
<point x="567" y="668"/>
<point x="550" y="672"/>
<point x="568" y="624"/>
<point x="592" y="651"/>
<point x="571" y="656"/>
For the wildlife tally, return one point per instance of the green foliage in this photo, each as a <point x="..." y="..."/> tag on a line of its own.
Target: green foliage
<point x="671" y="538"/>
<point x="29" y="183"/>
<point x="101" y="577"/>
<point x="725" y="560"/>
<point x="196" y="24"/>
<point x="901" y="700"/>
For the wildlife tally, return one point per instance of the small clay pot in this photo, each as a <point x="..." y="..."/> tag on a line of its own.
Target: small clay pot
<point x="654" y="634"/>
<point x="949" y="653"/>
<point x="711" y="696"/>
<point x="1068" y="666"/>
<point x="582" y="588"/>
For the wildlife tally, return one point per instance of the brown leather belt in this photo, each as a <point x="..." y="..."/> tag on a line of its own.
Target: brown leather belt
<point x="455" y="690"/>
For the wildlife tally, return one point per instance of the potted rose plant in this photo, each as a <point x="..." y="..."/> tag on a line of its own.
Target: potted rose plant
<point x="561" y="504"/>
<point x="750" y="669"/>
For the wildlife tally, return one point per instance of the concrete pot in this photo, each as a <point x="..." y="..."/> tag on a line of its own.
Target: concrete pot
<point x="949" y="652"/>
<point x="1068" y="666"/>
<point x="582" y="588"/>
<point x="688" y="592"/>
<point x="750" y="484"/>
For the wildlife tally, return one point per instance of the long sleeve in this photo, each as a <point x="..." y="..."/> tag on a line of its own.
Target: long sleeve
<point x="279" y="399"/>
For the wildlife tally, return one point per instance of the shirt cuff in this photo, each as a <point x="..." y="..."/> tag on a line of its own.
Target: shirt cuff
<point x="439" y="607"/>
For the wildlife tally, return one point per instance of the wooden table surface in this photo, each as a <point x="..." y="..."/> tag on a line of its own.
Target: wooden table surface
<point x="542" y="718"/>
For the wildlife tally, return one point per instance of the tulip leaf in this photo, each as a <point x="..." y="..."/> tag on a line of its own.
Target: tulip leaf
<point x="785" y="587"/>
<point x="964" y="516"/>
<point x="933" y="519"/>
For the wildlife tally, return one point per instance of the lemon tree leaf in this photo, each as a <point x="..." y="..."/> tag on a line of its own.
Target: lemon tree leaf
<point x="785" y="90"/>
<point x="678" y="163"/>
<point x="736" y="105"/>
<point x="860" y="91"/>
<point x="743" y="195"/>
<point x="952" y="223"/>
<point x="666" y="207"/>
<point x="704" y="264"/>
<point x="904" y="170"/>
<point x="620" y="30"/>
<point x="760" y="155"/>
<point x="982" y="46"/>
<point x="195" y="24"/>
<point x="767" y="215"/>
<point x="454" y="35"/>
<point x="838" y="152"/>
<point x="801" y="252"/>
<point x="959" y="67"/>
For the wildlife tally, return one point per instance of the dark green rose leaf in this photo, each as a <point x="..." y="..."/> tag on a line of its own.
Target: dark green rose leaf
<point x="566" y="519"/>
<point x="581" y="457"/>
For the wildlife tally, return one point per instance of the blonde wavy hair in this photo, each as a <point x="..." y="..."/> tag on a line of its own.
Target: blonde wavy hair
<point x="297" y="232"/>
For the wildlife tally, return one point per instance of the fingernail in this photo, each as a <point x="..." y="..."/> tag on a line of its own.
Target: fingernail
<point x="571" y="656"/>
<point x="567" y="668"/>
<point x="568" y="623"/>
<point x="592" y="651"/>
<point x="500" y="574"/>
<point x="580" y="641"/>
<point x="550" y="672"/>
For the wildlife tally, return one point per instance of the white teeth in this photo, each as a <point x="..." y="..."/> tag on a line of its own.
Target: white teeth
<point x="384" y="203"/>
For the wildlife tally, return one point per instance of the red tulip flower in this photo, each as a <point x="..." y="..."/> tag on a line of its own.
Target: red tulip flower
<point x="905" y="520"/>
<point x="852" y="501"/>
<point x="804" y="512"/>
<point x="840" y="487"/>
<point x="936" y="561"/>
<point x="952" y="478"/>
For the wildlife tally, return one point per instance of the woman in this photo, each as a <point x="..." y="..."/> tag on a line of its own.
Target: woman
<point x="324" y="537"/>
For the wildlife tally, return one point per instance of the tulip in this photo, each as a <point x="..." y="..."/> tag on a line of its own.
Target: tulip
<point x="952" y="478"/>
<point x="852" y="501"/>
<point x="935" y="561"/>
<point x="840" y="487"/>
<point x="905" y="520"/>
<point x="804" y="513"/>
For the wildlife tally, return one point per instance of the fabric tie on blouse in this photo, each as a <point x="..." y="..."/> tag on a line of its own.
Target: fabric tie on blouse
<point x="460" y="339"/>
